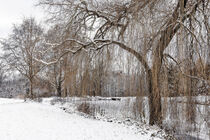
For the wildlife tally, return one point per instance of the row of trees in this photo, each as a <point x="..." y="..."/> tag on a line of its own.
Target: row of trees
<point x="157" y="41"/>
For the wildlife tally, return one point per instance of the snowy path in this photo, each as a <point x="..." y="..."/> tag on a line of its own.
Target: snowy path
<point x="34" y="121"/>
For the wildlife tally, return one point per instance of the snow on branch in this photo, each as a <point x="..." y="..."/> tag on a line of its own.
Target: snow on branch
<point x="95" y="45"/>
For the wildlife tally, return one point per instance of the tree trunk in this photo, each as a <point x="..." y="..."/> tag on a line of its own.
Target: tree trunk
<point x="31" y="89"/>
<point x="154" y="98"/>
<point x="65" y="92"/>
<point x="156" y="112"/>
<point x="59" y="89"/>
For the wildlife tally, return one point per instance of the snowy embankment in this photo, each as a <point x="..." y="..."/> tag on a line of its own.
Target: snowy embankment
<point x="186" y="118"/>
<point x="34" y="121"/>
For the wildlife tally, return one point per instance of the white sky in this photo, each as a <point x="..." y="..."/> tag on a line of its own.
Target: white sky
<point x="13" y="11"/>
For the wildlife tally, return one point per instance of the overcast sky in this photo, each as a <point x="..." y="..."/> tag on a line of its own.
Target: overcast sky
<point x="13" y="11"/>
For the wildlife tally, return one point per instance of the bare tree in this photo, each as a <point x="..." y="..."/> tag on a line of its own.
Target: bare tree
<point x="21" y="47"/>
<point x="55" y="72"/>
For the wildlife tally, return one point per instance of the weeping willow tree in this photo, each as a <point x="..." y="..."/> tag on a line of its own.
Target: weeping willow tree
<point x="142" y="28"/>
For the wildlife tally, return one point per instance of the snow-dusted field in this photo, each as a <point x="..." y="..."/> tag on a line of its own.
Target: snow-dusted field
<point x="34" y="121"/>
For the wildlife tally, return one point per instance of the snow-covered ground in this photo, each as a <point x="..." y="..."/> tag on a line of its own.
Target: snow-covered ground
<point x="34" y="121"/>
<point x="187" y="121"/>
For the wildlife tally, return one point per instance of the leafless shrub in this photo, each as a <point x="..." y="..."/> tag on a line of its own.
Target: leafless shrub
<point x="58" y="100"/>
<point x="39" y="100"/>
<point x="86" y="108"/>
